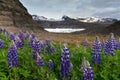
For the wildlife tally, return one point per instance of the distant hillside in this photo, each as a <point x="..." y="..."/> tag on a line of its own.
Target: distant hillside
<point x="115" y="28"/>
<point x="67" y="22"/>
<point x="13" y="13"/>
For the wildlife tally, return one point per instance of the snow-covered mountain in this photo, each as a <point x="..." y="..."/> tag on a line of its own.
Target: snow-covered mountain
<point x="85" y="20"/>
<point x="96" y="20"/>
<point x="42" y="18"/>
<point x="36" y="17"/>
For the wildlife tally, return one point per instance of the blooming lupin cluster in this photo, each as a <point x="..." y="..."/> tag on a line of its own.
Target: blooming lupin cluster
<point x="87" y="70"/>
<point x="19" y="43"/>
<point x="32" y="35"/>
<point x="39" y="61"/>
<point x="1" y="44"/>
<point x="31" y="42"/>
<point x="49" y="47"/>
<point x="112" y="41"/>
<point x="12" y="56"/>
<point x="21" y="37"/>
<point x="51" y="64"/>
<point x="12" y="37"/>
<point x="36" y="48"/>
<point x="96" y="51"/>
<point x="110" y="45"/>
<point x="53" y="49"/>
<point x="106" y="48"/>
<point x="65" y="63"/>
<point x="47" y="42"/>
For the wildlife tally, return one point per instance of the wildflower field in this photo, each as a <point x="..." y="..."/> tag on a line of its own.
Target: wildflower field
<point x="24" y="57"/>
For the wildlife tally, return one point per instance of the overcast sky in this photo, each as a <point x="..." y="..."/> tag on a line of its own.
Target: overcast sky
<point x="73" y="8"/>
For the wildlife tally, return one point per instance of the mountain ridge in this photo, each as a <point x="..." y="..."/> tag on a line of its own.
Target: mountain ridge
<point x="86" y="20"/>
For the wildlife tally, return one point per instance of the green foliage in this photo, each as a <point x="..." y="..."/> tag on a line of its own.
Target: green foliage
<point x="27" y="69"/>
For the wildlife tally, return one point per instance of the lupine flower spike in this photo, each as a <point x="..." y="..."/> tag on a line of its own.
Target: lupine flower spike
<point x="27" y="35"/>
<point x="96" y="51"/>
<point x="1" y="44"/>
<point x="110" y="45"/>
<point x="87" y="70"/>
<point x="19" y="43"/>
<point x="12" y="56"/>
<point x="51" y="64"/>
<point x="12" y="37"/>
<point x="65" y="63"/>
<point x="112" y="41"/>
<point x="36" y="48"/>
<point x="39" y="61"/>
<point x="31" y="42"/>
<point x="53" y="49"/>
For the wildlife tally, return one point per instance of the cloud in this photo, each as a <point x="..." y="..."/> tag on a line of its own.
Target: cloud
<point x="73" y="8"/>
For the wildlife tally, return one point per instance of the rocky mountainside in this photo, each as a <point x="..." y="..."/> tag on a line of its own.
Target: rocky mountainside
<point x="114" y="28"/>
<point x="13" y="13"/>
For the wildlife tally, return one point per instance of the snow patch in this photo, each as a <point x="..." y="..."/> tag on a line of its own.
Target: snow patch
<point x="63" y="30"/>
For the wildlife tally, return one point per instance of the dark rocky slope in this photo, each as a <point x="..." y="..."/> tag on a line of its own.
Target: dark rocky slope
<point x="13" y="13"/>
<point x="114" y="28"/>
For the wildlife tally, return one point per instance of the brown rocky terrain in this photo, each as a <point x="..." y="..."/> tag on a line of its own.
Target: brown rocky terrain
<point x="14" y="14"/>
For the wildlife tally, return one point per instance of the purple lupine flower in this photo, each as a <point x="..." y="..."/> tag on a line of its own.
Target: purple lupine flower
<point x="27" y="35"/>
<point x="47" y="48"/>
<point x="1" y="44"/>
<point x="51" y="64"/>
<point x="65" y="63"/>
<point x="31" y="42"/>
<point x="87" y="70"/>
<point x="21" y="37"/>
<point x="112" y="41"/>
<point x="39" y="61"/>
<point x="106" y="48"/>
<point x="12" y="37"/>
<point x="53" y="49"/>
<point x="96" y="51"/>
<point x="86" y="43"/>
<point x="47" y="42"/>
<point x="110" y="45"/>
<point x="15" y="57"/>
<point x="36" y="48"/>
<point x="19" y="43"/>
<point x="32" y="35"/>
<point x="12" y="56"/>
